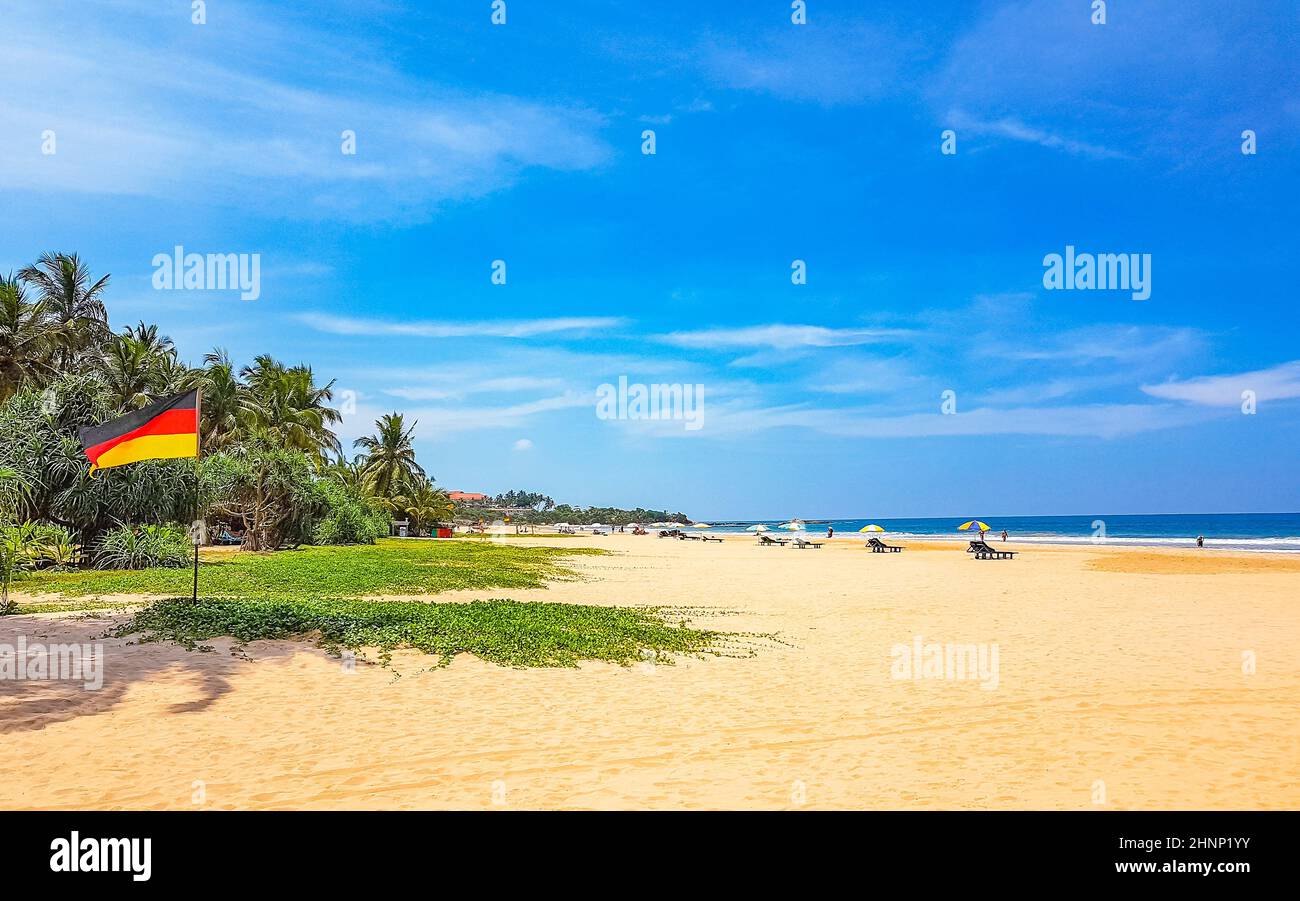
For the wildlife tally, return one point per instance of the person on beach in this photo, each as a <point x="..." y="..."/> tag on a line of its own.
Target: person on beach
<point x="1200" y="541"/>
<point x="830" y="531"/>
<point x="1004" y="534"/>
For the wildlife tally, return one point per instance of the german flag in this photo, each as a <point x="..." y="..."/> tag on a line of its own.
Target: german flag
<point x="164" y="430"/>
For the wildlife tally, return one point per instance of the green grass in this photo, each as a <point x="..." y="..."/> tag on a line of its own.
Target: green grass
<point x="510" y="633"/>
<point x="392" y="566"/>
<point x="318" y="593"/>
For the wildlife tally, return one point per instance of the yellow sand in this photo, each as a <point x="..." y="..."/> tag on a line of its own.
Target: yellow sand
<point x="1120" y="675"/>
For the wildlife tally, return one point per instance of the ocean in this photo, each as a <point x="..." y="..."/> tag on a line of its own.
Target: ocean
<point x="1278" y="532"/>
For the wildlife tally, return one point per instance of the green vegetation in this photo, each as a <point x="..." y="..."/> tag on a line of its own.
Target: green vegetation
<point x="510" y="633"/>
<point x="143" y="547"/>
<point x="389" y="567"/>
<point x="273" y="473"/>
<point x="546" y="512"/>
<point x="27" y="547"/>
<point x="274" y="477"/>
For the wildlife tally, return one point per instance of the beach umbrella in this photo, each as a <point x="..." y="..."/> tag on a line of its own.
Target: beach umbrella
<point x="758" y="528"/>
<point x="793" y="525"/>
<point x="871" y="528"/>
<point x="973" y="524"/>
<point x="700" y="525"/>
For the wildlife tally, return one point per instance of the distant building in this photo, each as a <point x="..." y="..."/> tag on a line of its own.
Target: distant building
<point x="470" y="498"/>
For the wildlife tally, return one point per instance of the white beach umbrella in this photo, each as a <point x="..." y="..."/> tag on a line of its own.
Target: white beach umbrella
<point x="700" y="525"/>
<point x="793" y="525"/>
<point x="758" y="528"/>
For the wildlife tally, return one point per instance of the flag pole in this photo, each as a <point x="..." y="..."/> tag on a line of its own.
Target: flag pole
<point x="198" y="443"/>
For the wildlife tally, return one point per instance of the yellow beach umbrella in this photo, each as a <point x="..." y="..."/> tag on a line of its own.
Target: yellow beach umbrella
<point x="973" y="524"/>
<point x="871" y="528"/>
<point x="793" y="525"/>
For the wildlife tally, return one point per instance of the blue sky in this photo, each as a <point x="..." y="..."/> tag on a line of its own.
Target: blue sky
<point x="774" y="142"/>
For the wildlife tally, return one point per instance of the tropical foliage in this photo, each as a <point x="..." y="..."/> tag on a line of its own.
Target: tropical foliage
<point x="272" y="468"/>
<point x="139" y="548"/>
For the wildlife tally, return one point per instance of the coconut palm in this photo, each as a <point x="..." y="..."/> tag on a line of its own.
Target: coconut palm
<point x="76" y="304"/>
<point x="138" y="366"/>
<point x="389" y="465"/>
<point x="348" y="474"/>
<point x="290" y="410"/>
<point x="227" y="407"/>
<point x="424" y="504"/>
<point x="29" y="337"/>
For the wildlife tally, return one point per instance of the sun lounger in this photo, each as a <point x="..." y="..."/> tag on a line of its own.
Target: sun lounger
<point x="879" y="547"/>
<point x="670" y="533"/>
<point x="710" y="538"/>
<point x="802" y="543"/>
<point x="684" y="537"/>
<point x="985" y="551"/>
<point x="765" y="541"/>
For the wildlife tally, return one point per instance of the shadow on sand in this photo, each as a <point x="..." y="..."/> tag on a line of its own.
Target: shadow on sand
<point x="31" y="704"/>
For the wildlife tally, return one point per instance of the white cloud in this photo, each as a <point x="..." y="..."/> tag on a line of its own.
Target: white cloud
<point x="215" y="114"/>
<point x="1105" y="343"/>
<point x="845" y="64"/>
<point x="1276" y="383"/>
<point x="462" y="386"/>
<point x="782" y="337"/>
<point x="523" y="444"/>
<point x="436" y="422"/>
<point x="525" y="328"/>
<point x="1084" y="420"/>
<point x="1014" y="129"/>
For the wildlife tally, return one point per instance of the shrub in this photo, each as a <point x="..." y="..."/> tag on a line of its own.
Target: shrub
<point x="51" y="546"/>
<point x="345" y="517"/>
<point x="31" y="546"/>
<point x="139" y="547"/>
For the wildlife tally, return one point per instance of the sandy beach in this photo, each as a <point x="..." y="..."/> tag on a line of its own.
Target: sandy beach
<point x="1120" y="684"/>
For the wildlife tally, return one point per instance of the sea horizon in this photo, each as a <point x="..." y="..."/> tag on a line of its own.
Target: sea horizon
<point x="1275" y="532"/>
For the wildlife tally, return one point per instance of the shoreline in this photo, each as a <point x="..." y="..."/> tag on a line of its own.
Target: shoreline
<point x="1125" y="666"/>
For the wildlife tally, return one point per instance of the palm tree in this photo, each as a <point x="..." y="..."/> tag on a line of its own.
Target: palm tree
<point x="76" y="304"/>
<point x="29" y="337"/>
<point x="389" y="464"/>
<point x="348" y="474"/>
<point x="227" y="407"/>
<point x="424" y="504"/>
<point x="138" y="366"/>
<point x="290" y="410"/>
